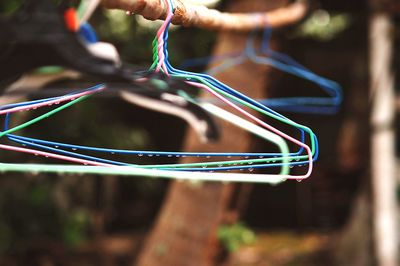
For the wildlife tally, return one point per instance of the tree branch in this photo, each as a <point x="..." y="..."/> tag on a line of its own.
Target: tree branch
<point x="202" y="17"/>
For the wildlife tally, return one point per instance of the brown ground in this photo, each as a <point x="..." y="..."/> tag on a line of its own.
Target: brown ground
<point x="285" y="249"/>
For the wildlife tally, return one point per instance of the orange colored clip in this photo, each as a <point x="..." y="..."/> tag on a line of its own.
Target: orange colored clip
<point x="71" y="19"/>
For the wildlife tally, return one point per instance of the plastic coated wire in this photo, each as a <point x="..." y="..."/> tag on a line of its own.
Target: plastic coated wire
<point x="228" y="155"/>
<point x="146" y="172"/>
<point x="283" y="62"/>
<point x="56" y="146"/>
<point x="301" y="144"/>
<point x="246" y="100"/>
<point x="32" y="142"/>
<point x="62" y="169"/>
<point x="23" y="141"/>
<point x="216" y="91"/>
<point x="217" y="83"/>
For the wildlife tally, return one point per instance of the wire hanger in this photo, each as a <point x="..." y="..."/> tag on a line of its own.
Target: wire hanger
<point x="131" y="97"/>
<point x="35" y="104"/>
<point x="220" y="93"/>
<point x="124" y="92"/>
<point x="266" y="56"/>
<point x="264" y="110"/>
<point x="40" y="143"/>
<point x="240" y="122"/>
<point x="300" y="104"/>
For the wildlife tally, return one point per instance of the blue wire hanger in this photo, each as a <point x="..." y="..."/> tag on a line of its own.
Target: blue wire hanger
<point x="266" y="56"/>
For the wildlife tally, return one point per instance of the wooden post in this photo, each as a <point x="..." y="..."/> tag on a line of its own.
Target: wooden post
<point x="383" y="139"/>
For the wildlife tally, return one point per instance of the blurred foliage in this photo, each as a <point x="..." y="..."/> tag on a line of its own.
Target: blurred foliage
<point x="116" y="25"/>
<point x="234" y="236"/>
<point x="324" y="26"/>
<point x="75" y="227"/>
<point x="133" y="38"/>
<point x="279" y="248"/>
<point x="9" y="7"/>
<point x="208" y="3"/>
<point x="6" y="237"/>
<point x="29" y="213"/>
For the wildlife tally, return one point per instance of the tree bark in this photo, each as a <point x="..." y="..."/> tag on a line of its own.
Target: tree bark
<point x="385" y="217"/>
<point x="185" y="231"/>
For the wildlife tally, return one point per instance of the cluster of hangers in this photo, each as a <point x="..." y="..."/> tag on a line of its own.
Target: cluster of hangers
<point x="162" y="88"/>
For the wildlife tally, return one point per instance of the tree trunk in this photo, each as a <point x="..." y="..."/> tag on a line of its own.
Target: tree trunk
<point x="185" y="231"/>
<point x="371" y="235"/>
<point x="383" y="160"/>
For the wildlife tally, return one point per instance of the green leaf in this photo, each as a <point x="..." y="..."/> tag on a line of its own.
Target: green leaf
<point x="234" y="236"/>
